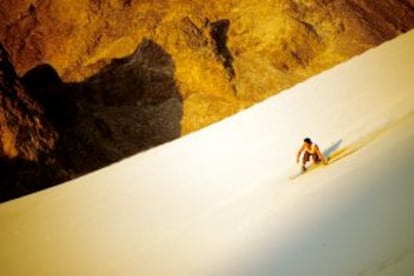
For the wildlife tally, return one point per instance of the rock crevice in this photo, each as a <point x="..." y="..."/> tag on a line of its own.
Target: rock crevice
<point x="219" y="32"/>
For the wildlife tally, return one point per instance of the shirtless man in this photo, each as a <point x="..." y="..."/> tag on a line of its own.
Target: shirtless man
<point x="310" y="150"/>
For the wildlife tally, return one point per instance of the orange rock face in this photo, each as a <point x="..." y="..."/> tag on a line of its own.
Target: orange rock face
<point x="228" y="55"/>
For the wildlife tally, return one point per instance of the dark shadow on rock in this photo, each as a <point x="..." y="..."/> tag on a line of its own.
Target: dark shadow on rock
<point x="47" y="88"/>
<point x="131" y="105"/>
<point x="332" y="149"/>
<point x="219" y="30"/>
<point x="22" y="177"/>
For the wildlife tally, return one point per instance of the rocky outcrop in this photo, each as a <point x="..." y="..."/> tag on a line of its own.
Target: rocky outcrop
<point x="24" y="132"/>
<point x="27" y="139"/>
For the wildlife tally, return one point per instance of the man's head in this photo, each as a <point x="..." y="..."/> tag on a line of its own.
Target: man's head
<point x="307" y="141"/>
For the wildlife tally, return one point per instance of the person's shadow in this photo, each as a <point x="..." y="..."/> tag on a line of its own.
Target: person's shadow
<point x="327" y="152"/>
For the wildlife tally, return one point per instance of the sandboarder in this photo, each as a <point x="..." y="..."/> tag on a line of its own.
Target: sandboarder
<point x="310" y="149"/>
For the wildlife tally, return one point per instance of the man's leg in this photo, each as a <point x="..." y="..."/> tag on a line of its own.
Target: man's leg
<point x="304" y="160"/>
<point x="315" y="158"/>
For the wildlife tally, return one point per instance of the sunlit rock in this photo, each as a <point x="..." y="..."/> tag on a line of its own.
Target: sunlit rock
<point x="228" y="55"/>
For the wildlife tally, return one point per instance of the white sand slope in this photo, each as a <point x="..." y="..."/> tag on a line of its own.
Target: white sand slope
<point x="219" y="201"/>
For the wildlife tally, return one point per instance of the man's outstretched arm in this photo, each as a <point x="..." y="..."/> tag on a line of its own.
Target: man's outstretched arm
<point x="299" y="153"/>
<point x="321" y="156"/>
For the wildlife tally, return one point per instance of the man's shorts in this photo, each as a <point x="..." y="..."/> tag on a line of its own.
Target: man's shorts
<point x="315" y="157"/>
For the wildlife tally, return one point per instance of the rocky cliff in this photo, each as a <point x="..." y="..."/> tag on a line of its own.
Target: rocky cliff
<point x="228" y="55"/>
<point x="118" y="76"/>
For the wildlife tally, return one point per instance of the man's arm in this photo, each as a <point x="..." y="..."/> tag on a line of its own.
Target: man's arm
<point x="321" y="156"/>
<point x="299" y="153"/>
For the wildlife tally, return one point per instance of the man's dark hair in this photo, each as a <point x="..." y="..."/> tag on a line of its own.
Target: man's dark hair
<point x="307" y="140"/>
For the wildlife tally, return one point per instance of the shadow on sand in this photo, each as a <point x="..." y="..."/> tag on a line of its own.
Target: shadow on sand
<point x="327" y="153"/>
